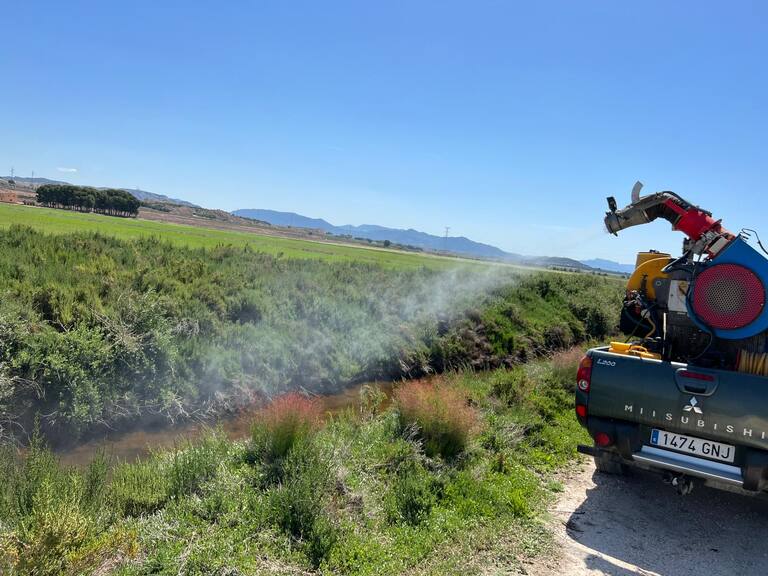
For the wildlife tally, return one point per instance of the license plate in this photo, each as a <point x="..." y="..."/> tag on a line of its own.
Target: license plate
<point x="692" y="446"/>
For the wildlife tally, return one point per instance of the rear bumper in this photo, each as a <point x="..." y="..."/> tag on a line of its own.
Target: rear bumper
<point x="684" y="464"/>
<point x="749" y="472"/>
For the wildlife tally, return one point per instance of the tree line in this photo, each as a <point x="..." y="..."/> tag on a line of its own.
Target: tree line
<point x="108" y="201"/>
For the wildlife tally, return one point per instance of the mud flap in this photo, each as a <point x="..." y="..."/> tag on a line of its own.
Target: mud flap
<point x="755" y="470"/>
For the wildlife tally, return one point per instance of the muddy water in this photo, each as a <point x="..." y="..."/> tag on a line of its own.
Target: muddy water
<point x="128" y="446"/>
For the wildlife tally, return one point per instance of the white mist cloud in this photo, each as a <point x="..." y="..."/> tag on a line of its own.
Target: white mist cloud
<point x="67" y="170"/>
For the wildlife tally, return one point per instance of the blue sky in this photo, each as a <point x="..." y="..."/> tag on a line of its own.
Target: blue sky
<point x="507" y="121"/>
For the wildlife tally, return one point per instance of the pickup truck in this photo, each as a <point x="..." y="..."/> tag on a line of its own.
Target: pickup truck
<point x="682" y="420"/>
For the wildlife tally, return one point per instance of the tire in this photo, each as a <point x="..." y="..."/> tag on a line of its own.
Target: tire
<point x="608" y="463"/>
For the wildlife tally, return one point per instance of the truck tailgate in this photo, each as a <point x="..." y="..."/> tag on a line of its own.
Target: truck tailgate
<point x="729" y="407"/>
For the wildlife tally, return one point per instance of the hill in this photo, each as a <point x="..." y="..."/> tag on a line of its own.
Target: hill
<point x="609" y="265"/>
<point x="145" y="196"/>
<point x="142" y="195"/>
<point x="410" y="237"/>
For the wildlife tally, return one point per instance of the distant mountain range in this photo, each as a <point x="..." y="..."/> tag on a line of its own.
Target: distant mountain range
<point x="609" y="265"/>
<point x="409" y="237"/>
<point x="145" y="196"/>
<point x="142" y="195"/>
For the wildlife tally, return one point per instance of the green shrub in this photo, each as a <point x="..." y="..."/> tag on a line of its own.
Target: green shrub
<point x="24" y="477"/>
<point x="55" y="529"/>
<point x="140" y="488"/>
<point x="297" y="505"/>
<point x="411" y="495"/>
<point x="146" y="486"/>
<point x="51" y="518"/>
<point x="512" y="386"/>
<point x="440" y="414"/>
<point x="194" y="464"/>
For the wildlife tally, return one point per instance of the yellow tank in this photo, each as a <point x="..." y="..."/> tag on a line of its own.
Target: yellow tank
<point x="643" y="257"/>
<point x="648" y="265"/>
<point x="627" y="349"/>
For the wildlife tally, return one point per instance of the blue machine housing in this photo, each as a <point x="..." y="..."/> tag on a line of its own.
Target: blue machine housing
<point x="741" y="253"/>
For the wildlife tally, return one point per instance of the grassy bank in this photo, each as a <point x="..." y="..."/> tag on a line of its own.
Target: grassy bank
<point x="450" y="479"/>
<point x="96" y="331"/>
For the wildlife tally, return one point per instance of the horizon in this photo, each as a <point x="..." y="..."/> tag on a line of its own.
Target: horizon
<point x="509" y="124"/>
<point x="335" y="225"/>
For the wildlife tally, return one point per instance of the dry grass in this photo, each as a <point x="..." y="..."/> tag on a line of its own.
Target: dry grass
<point x="441" y="415"/>
<point x="283" y="423"/>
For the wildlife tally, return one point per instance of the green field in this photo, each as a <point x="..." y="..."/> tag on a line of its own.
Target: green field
<point x="55" y="221"/>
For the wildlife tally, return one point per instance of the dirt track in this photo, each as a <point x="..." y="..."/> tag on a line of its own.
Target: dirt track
<point x="637" y="525"/>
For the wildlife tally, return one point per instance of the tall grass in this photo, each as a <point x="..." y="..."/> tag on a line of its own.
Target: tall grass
<point x="298" y="504"/>
<point x="296" y="471"/>
<point x="285" y="422"/>
<point x="53" y="518"/>
<point x="440" y="415"/>
<point x="412" y="494"/>
<point x="143" y="487"/>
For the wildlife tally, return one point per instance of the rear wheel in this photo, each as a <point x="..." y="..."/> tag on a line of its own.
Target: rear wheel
<point x="608" y="463"/>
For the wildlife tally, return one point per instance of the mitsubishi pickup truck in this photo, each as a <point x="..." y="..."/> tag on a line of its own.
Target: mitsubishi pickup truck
<point x="684" y="420"/>
<point x="687" y="393"/>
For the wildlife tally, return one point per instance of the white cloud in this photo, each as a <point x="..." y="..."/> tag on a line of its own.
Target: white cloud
<point x="67" y="170"/>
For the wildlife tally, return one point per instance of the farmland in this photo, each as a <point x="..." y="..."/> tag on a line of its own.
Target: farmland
<point x="55" y="221"/>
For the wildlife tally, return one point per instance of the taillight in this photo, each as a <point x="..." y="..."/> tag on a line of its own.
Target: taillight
<point x="581" y="410"/>
<point x="602" y="439"/>
<point x="584" y="375"/>
<point x="696" y="375"/>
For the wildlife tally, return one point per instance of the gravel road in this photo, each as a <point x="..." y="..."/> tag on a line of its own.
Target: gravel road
<point x="636" y="524"/>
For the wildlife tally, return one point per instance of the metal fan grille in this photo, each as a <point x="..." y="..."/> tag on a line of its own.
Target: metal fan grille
<point x="728" y="296"/>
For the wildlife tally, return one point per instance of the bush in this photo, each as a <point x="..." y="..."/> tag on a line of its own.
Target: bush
<point x="195" y="464"/>
<point x="411" y="497"/>
<point x="440" y="414"/>
<point x="140" y="488"/>
<point x="513" y="386"/>
<point x="145" y="487"/>
<point x="56" y="528"/>
<point x="297" y="505"/>
<point x="288" y="420"/>
<point x="51" y="518"/>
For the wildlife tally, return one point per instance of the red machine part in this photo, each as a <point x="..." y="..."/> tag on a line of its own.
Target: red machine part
<point x="706" y="235"/>
<point x="728" y="296"/>
<point x="694" y="222"/>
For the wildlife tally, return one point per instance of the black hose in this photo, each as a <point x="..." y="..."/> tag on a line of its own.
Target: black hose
<point x="757" y="237"/>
